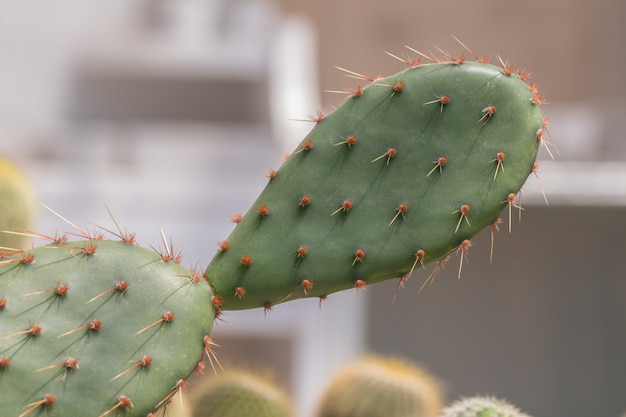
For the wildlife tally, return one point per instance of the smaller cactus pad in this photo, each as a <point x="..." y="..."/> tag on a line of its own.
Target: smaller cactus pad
<point x="403" y="173"/>
<point x="96" y="328"/>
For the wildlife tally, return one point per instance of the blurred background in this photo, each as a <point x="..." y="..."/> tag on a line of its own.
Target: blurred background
<point x="169" y="112"/>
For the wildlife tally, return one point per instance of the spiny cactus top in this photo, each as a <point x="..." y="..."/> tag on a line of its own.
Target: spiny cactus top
<point x="482" y="407"/>
<point x="403" y="173"/>
<point x="381" y="387"/>
<point x="241" y="394"/>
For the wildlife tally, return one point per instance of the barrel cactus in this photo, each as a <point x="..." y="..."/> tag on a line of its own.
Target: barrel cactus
<point x="17" y="206"/>
<point x="240" y="393"/>
<point x="381" y="387"/>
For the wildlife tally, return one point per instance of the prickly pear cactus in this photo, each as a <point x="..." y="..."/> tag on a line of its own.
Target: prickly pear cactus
<point x="17" y="206"/>
<point x="96" y="328"/>
<point x="381" y="387"/>
<point x="241" y="394"/>
<point x="403" y="173"/>
<point x="482" y="407"/>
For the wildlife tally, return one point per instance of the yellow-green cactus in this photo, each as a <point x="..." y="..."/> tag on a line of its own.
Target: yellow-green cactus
<point x="17" y="206"/>
<point x="241" y="394"/>
<point x="381" y="387"/>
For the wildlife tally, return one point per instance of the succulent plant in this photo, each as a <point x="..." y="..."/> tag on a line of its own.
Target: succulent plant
<point x="97" y="327"/>
<point x="381" y="387"/>
<point x="481" y="406"/>
<point x="403" y="173"/>
<point x="241" y="394"/>
<point x="17" y="206"/>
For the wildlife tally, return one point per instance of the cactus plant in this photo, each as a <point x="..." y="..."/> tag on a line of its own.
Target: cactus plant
<point x="405" y="172"/>
<point x="17" y="206"/>
<point x="95" y="327"/>
<point x="241" y="394"/>
<point x="381" y="387"/>
<point x="482" y="407"/>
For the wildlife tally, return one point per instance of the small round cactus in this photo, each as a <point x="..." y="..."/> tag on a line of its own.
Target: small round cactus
<point x="381" y="387"/>
<point x="17" y="206"/>
<point x="241" y="394"/>
<point x="482" y="407"/>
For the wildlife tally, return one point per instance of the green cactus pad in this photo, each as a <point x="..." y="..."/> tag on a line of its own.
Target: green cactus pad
<point x="241" y="394"/>
<point x="404" y="172"/>
<point x="97" y="327"/>
<point x="482" y="407"/>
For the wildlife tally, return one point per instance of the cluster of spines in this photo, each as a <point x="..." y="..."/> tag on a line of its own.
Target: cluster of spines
<point x="537" y="98"/>
<point x="348" y="142"/>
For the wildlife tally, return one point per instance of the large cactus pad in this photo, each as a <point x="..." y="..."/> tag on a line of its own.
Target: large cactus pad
<point x="97" y="328"/>
<point x="405" y="171"/>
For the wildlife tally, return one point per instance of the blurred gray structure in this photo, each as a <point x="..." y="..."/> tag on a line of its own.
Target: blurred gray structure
<point x="171" y="111"/>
